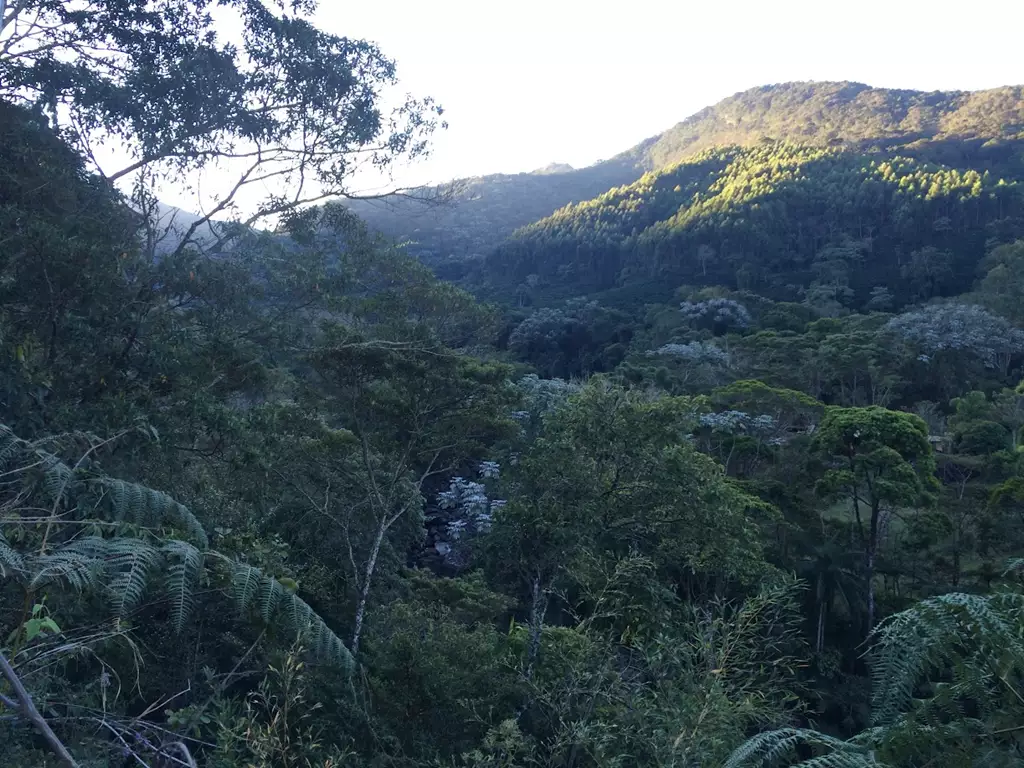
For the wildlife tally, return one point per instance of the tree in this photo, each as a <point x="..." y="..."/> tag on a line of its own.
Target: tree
<point x="955" y="335"/>
<point x="929" y="272"/>
<point x="879" y="462"/>
<point x="285" y="107"/>
<point x="416" y="411"/>
<point x="612" y="474"/>
<point x="1001" y="287"/>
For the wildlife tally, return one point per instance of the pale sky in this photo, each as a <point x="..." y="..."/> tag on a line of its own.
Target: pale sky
<point x="531" y="82"/>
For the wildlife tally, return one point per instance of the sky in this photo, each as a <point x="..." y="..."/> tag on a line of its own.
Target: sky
<point x="531" y="82"/>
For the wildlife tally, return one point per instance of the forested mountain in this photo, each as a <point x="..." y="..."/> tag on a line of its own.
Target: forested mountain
<point x="783" y="220"/>
<point x="483" y="211"/>
<point x="822" y="114"/>
<point x="452" y="226"/>
<point x="732" y="476"/>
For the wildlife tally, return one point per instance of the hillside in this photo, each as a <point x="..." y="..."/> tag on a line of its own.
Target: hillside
<point x="487" y="209"/>
<point x="484" y="210"/>
<point x="827" y="113"/>
<point x="807" y="192"/>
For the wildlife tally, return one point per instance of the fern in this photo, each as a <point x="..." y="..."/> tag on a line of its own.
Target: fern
<point x="9" y="444"/>
<point x="972" y="646"/>
<point x="149" y="508"/>
<point x="970" y="632"/>
<point x="74" y="565"/>
<point x="58" y="477"/>
<point x="186" y="565"/>
<point x="769" y="748"/>
<point x="123" y="568"/>
<point x="10" y="559"/>
<point x="129" y="563"/>
<point x="253" y="589"/>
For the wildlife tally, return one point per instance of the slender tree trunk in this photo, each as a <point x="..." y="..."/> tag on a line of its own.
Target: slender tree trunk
<point x="819" y="640"/>
<point x="364" y="592"/>
<point x="869" y="575"/>
<point x="538" y="607"/>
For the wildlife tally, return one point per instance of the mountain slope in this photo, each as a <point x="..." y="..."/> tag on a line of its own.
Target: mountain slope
<point x="484" y="210"/>
<point x="487" y="209"/>
<point x="787" y="221"/>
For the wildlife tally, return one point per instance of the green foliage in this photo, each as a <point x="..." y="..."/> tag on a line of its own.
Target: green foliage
<point x="527" y="571"/>
<point x="945" y="677"/>
<point x="123" y="566"/>
<point x="951" y="128"/>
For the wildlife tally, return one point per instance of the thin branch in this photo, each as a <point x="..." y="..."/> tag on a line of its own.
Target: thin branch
<point x="28" y="709"/>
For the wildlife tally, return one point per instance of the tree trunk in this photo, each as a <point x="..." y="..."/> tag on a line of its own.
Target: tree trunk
<point x="364" y="592"/>
<point x="538" y="607"/>
<point x="869" y="575"/>
<point x="819" y="640"/>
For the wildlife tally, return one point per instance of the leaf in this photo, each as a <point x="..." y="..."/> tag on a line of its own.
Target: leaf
<point x="182" y="577"/>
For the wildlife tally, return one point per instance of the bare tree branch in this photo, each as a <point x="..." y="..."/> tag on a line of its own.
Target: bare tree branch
<point x="28" y="709"/>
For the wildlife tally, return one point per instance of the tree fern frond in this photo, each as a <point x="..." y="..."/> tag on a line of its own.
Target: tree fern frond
<point x="129" y="564"/>
<point x="58" y="477"/>
<point x="938" y="632"/>
<point x="269" y="596"/>
<point x="186" y="564"/>
<point x="78" y="564"/>
<point x="767" y="749"/>
<point x="245" y="583"/>
<point x="841" y="760"/>
<point x="10" y="559"/>
<point x="253" y="589"/>
<point x="147" y="507"/>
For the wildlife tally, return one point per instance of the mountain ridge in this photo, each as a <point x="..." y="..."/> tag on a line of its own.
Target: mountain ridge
<point x="488" y="209"/>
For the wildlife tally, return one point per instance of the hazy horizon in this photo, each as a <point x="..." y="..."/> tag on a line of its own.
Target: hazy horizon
<point x="575" y="82"/>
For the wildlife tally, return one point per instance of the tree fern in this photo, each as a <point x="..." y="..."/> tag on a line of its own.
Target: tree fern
<point x="971" y="648"/>
<point x="58" y="477"/>
<point x="254" y="590"/>
<point x="10" y="559"/>
<point x="78" y="565"/>
<point x="129" y="563"/>
<point x="975" y="633"/>
<point x="149" y="508"/>
<point x="123" y="567"/>
<point x="9" y="444"/>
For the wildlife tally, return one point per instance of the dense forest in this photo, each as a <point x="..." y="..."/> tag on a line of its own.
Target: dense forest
<point x="721" y="466"/>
